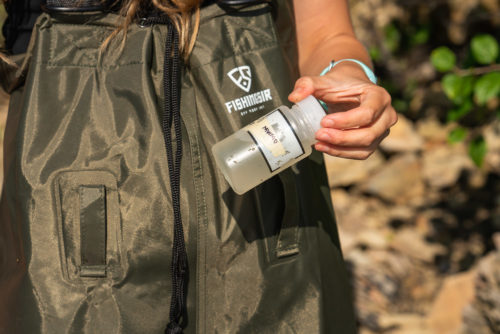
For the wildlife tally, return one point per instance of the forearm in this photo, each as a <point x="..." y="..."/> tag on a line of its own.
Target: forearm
<point x="325" y="33"/>
<point x="341" y="47"/>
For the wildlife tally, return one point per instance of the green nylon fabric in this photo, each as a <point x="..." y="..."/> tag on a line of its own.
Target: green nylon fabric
<point x="268" y="261"/>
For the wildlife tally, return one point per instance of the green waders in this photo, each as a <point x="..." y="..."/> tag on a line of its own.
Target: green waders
<point x="86" y="176"/>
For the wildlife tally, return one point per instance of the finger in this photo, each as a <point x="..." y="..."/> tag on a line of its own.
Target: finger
<point x="304" y="87"/>
<point x="342" y="152"/>
<point x="357" y="137"/>
<point x="343" y="92"/>
<point x="344" y="104"/>
<point x="373" y="102"/>
<point x="325" y="89"/>
<point x="358" y="153"/>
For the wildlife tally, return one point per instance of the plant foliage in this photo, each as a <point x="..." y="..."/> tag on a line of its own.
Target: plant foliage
<point x="471" y="89"/>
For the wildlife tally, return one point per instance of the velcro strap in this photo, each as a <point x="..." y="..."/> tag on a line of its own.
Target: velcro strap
<point x="93" y="230"/>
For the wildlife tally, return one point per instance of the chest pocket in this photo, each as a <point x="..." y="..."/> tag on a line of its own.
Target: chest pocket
<point x="239" y="69"/>
<point x="241" y="53"/>
<point x="88" y="225"/>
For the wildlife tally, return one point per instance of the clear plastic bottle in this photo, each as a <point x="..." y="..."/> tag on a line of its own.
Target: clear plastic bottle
<point x="269" y="145"/>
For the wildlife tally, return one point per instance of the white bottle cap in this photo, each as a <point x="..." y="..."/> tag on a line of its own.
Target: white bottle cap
<point x="313" y="111"/>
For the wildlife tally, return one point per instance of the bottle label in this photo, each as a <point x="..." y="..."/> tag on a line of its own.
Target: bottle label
<point x="276" y="139"/>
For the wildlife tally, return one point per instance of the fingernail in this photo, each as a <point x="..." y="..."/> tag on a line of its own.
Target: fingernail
<point x="327" y="123"/>
<point x="293" y="95"/>
<point x="323" y="136"/>
<point x="320" y="147"/>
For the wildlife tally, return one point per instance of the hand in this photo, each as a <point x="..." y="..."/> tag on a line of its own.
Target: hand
<point x="359" y="112"/>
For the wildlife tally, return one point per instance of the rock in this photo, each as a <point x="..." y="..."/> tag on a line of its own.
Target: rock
<point x="4" y="101"/>
<point x="496" y="240"/>
<point x="386" y="282"/>
<point x="445" y="316"/>
<point x="459" y="12"/>
<point x="369" y="217"/>
<point x="442" y="166"/>
<point x="398" y="182"/>
<point x="374" y="239"/>
<point x="492" y="135"/>
<point x="355" y="212"/>
<point x="423" y="224"/>
<point x="405" y="323"/>
<point x="345" y="172"/>
<point x="374" y="289"/>
<point x="409" y="242"/>
<point x="474" y="322"/>
<point x="392" y="263"/>
<point x="492" y="138"/>
<point x="478" y="178"/>
<point x="378" y="275"/>
<point x="424" y="72"/>
<point x="440" y="219"/>
<point x="465" y="253"/>
<point x="347" y="240"/>
<point x="432" y="131"/>
<point x="373" y="13"/>
<point x="403" y="137"/>
<point x="494" y="7"/>
<point x="482" y="315"/>
<point x="418" y="289"/>
<point x="401" y="213"/>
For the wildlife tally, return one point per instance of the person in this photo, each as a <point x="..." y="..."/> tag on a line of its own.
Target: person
<point x="114" y="217"/>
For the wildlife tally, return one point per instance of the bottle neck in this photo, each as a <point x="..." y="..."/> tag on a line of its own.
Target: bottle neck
<point x="302" y="125"/>
<point x="312" y="111"/>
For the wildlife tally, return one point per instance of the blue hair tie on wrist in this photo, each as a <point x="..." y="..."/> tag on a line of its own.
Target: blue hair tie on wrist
<point x="368" y="71"/>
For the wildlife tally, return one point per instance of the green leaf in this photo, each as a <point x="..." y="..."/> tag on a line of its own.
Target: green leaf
<point x="457" y="134"/>
<point x="421" y="36"/>
<point x="487" y="87"/>
<point x="477" y="150"/>
<point x="400" y="105"/>
<point x="484" y="48"/>
<point x="392" y="37"/>
<point x="443" y="59"/>
<point x="375" y="53"/>
<point x="457" y="88"/>
<point x="410" y="87"/>
<point x="460" y="111"/>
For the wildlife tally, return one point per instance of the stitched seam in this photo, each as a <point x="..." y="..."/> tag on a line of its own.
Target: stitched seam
<point x="245" y="27"/>
<point x="200" y="217"/>
<point x="288" y="248"/>
<point x="55" y="64"/>
<point x="236" y="54"/>
<point x="91" y="25"/>
<point x="201" y="213"/>
<point x="83" y="230"/>
<point x="102" y="209"/>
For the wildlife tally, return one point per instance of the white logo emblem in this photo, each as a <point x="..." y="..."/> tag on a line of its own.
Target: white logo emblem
<point x="242" y="77"/>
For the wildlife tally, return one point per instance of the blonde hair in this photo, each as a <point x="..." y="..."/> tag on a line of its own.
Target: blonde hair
<point x="185" y="15"/>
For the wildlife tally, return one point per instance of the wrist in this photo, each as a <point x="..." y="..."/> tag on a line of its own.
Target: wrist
<point x="349" y="69"/>
<point x="352" y="68"/>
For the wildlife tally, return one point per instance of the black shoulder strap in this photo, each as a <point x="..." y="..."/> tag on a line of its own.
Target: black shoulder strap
<point x="21" y="16"/>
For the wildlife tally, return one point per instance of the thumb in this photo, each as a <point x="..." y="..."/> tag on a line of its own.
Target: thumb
<point x="304" y="87"/>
